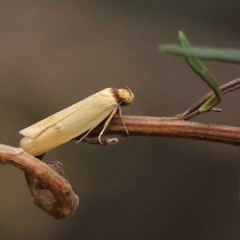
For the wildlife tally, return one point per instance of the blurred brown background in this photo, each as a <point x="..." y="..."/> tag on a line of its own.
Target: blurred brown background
<point x="55" y="53"/>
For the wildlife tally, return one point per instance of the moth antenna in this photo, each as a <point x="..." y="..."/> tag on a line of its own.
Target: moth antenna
<point x="129" y="89"/>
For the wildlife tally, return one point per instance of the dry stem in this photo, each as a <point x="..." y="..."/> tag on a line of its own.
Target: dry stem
<point x="50" y="190"/>
<point x="172" y="127"/>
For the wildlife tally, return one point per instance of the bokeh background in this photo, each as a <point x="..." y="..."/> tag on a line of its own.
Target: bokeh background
<point x="55" y="53"/>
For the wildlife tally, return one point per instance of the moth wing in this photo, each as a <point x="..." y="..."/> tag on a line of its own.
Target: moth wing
<point x="84" y="119"/>
<point x="70" y="127"/>
<point x="94" y="101"/>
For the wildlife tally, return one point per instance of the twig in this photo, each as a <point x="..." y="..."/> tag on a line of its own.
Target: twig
<point x="224" y="89"/>
<point x="51" y="192"/>
<point x="171" y="127"/>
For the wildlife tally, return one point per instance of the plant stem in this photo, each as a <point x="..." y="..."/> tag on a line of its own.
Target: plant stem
<point x="171" y="127"/>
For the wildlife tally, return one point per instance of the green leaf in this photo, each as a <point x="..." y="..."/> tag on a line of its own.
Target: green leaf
<point x="210" y="103"/>
<point x="206" y="53"/>
<point x="199" y="68"/>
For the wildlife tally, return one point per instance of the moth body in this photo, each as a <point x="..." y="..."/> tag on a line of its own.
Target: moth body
<point x="73" y="121"/>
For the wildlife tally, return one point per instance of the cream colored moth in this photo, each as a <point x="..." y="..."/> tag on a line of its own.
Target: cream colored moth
<point x="75" y="120"/>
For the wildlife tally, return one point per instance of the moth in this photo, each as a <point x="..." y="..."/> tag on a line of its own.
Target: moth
<point x="76" y="120"/>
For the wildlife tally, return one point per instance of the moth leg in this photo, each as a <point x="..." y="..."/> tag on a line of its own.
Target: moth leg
<point x="80" y="140"/>
<point x="120" y="113"/>
<point x="107" y="122"/>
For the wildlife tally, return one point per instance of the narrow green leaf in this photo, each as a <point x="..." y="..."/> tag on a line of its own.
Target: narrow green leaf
<point x="199" y="68"/>
<point x="210" y="103"/>
<point x="205" y="53"/>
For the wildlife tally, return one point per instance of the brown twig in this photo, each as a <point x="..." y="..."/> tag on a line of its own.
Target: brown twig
<point x="171" y="127"/>
<point x="224" y="89"/>
<point x="51" y="192"/>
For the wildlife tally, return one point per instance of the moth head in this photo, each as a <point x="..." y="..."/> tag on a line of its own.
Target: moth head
<point x="126" y="96"/>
